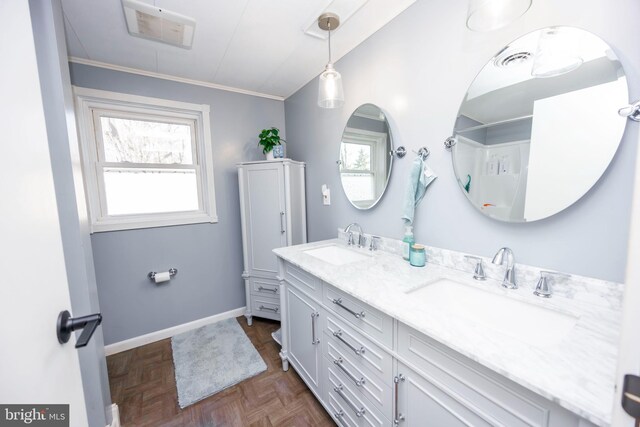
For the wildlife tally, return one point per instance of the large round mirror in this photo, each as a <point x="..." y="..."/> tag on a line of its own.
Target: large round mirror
<point x="365" y="156"/>
<point x="539" y="124"/>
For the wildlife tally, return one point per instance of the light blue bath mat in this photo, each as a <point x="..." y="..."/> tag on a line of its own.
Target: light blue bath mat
<point x="212" y="358"/>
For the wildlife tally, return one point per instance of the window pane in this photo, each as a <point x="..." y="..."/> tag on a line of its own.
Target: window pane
<point x="140" y="141"/>
<point x="356" y="156"/>
<point x="358" y="187"/>
<point x="140" y="191"/>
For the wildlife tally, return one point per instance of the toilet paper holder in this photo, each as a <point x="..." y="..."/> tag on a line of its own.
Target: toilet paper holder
<point x="152" y="274"/>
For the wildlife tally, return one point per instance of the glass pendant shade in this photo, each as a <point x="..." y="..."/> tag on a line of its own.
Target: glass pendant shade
<point x="488" y="15"/>
<point x="330" y="92"/>
<point x="555" y="54"/>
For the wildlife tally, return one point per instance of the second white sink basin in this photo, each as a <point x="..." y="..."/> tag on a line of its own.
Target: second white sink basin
<point x="533" y="324"/>
<point x="336" y="255"/>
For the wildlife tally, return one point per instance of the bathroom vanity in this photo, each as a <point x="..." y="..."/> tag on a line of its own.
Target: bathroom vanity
<point x="382" y="343"/>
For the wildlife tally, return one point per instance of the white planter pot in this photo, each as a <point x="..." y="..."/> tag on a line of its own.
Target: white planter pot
<point x="269" y="155"/>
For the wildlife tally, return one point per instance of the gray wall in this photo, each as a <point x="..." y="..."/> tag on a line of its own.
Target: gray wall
<point x="417" y="68"/>
<point x="48" y="31"/>
<point x="207" y="256"/>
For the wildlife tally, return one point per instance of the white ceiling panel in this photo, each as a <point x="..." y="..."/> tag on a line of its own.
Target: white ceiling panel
<point x="252" y="45"/>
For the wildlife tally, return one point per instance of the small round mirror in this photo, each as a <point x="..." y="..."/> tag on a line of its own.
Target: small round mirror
<point x="365" y="156"/>
<point x="539" y="125"/>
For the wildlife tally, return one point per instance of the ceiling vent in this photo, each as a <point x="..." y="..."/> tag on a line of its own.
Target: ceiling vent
<point x="512" y="59"/>
<point x="158" y="24"/>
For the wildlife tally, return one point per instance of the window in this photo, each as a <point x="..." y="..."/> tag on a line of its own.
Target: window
<point x="363" y="165"/>
<point x="147" y="162"/>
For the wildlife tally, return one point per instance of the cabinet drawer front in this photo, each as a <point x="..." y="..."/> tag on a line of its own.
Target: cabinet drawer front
<point x="265" y="307"/>
<point x="366" y="354"/>
<point x="363" y="317"/>
<point x="303" y="280"/>
<point x="344" y="400"/>
<point x="496" y="399"/>
<point x="265" y="287"/>
<point x="371" y="387"/>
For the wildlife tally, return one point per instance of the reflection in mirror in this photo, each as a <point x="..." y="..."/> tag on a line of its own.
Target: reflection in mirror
<point x="539" y="124"/>
<point x="365" y="156"/>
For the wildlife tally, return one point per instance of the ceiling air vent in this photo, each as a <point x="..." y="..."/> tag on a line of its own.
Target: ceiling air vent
<point x="158" y="24"/>
<point x="511" y="59"/>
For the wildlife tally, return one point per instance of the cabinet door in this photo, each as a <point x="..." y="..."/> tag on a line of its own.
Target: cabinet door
<point x="264" y="216"/>
<point x="304" y="336"/>
<point x="421" y="403"/>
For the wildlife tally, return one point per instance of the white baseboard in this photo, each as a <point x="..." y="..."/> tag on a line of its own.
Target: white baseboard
<point x="114" y="412"/>
<point x="169" y="332"/>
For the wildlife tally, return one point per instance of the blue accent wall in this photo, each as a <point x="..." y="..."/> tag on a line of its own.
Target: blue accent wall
<point x="417" y="69"/>
<point x="207" y="256"/>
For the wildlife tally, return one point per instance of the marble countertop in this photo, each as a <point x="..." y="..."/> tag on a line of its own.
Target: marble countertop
<point x="578" y="373"/>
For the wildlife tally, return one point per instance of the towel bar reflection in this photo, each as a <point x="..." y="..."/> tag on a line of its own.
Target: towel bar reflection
<point x="152" y="274"/>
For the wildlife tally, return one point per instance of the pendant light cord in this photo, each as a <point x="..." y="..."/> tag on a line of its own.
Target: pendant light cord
<point x="329" y="30"/>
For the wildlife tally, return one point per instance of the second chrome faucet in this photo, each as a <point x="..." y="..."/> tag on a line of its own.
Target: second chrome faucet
<point x="506" y="255"/>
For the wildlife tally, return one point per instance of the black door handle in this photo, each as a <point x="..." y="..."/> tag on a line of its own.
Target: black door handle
<point x="67" y="324"/>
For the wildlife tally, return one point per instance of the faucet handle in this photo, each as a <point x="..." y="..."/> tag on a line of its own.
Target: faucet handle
<point x="543" y="288"/>
<point x="373" y="244"/>
<point x="478" y="272"/>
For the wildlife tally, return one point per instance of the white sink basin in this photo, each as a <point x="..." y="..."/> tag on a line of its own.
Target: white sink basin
<point x="533" y="324"/>
<point x="336" y="255"/>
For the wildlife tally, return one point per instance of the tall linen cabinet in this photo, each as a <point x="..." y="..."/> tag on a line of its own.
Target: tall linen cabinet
<point x="273" y="211"/>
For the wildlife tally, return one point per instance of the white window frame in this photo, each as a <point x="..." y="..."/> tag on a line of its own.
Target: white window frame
<point x="88" y="101"/>
<point x="378" y="143"/>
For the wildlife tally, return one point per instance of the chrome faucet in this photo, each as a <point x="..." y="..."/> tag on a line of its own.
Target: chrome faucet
<point x="361" y="239"/>
<point x="509" y="280"/>
<point x="543" y="288"/>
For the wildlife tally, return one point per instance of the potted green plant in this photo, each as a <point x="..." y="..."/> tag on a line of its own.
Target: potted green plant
<point x="268" y="140"/>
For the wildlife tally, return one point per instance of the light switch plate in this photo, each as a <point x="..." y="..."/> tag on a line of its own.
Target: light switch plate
<point x="326" y="195"/>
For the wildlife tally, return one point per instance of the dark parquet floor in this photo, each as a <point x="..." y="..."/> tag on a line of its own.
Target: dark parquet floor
<point x="143" y="385"/>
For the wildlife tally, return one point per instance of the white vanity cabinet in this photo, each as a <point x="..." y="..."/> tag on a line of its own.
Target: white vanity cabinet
<point x="303" y="336"/>
<point x="369" y="369"/>
<point x="273" y="213"/>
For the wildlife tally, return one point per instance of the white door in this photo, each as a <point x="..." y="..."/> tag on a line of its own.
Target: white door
<point x="265" y="214"/>
<point x="629" y="355"/>
<point x="34" y="367"/>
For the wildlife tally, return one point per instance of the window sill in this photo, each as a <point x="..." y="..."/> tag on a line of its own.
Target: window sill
<point x="133" y="223"/>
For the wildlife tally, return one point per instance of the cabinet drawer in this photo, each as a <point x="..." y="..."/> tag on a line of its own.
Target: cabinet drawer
<point x="497" y="400"/>
<point x="361" y="316"/>
<point x="265" y="287"/>
<point x="347" y="406"/>
<point x="366" y="354"/>
<point x="371" y="387"/>
<point x="302" y="280"/>
<point x="267" y="307"/>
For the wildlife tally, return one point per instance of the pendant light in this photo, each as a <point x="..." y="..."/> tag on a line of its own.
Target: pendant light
<point x="330" y="92"/>
<point x="556" y="53"/>
<point x="489" y="15"/>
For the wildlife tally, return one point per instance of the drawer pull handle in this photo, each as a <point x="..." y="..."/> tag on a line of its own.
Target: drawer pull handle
<point x="262" y="288"/>
<point x="358" y="382"/>
<point x="358" y="351"/>
<point x="338" y="302"/>
<point x="359" y="412"/>
<point x="339" y="416"/>
<point x="398" y="416"/>
<point x="314" y="340"/>
<point x="263" y="308"/>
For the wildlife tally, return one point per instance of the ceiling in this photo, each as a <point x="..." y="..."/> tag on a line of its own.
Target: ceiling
<point x="251" y="45"/>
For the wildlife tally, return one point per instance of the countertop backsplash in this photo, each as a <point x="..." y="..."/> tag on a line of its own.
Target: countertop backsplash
<point x="580" y="289"/>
